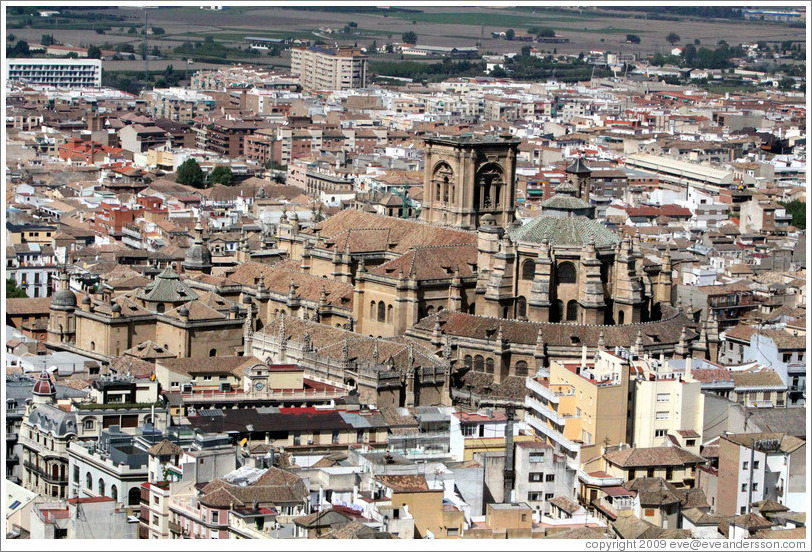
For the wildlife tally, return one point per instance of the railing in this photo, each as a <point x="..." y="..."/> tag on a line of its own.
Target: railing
<point x="546" y="411"/>
<point x="535" y="386"/>
<point x="599" y="481"/>
<point x="174" y="527"/>
<point x="206" y="396"/>
<point x="44" y="474"/>
<point x="551" y="433"/>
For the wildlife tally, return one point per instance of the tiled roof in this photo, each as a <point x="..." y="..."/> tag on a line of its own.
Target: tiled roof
<point x="275" y="487"/>
<point x="666" y="331"/>
<point x="564" y="231"/>
<point x="27" y="305"/>
<point x="404" y="483"/>
<point x="167" y="288"/>
<point x="279" y="277"/>
<point x="652" y="456"/>
<point x="764" y="377"/>
<point x="209" y="365"/>
<point x="432" y="262"/>
<point x="165" y="448"/>
<point x="376" y="230"/>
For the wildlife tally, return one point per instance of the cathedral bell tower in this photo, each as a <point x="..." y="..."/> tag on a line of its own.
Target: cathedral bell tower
<point x="467" y="177"/>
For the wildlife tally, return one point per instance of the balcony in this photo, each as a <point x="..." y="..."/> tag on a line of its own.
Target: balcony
<point x="538" y="388"/>
<point x="44" y="474"/>
<point x="599" y="481"/>
<point x="545" y="411"/>
<point x="555" y="436"/>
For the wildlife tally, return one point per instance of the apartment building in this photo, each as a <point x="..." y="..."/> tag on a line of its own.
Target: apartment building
<point x="778" y="465"/>
<point x="667" y="404"/>
<point x="32" y="266"/>
<point x="328" y="69"/>
<point x="179" y="104"/>
<point x="580" y="405"/>
<point x="68" y="73"/>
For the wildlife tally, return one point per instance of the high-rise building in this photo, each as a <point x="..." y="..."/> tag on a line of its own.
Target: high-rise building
<point x="55" y="72"/>
<point x="329" y="69"/>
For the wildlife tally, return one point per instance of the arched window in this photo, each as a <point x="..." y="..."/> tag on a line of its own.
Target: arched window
<point x="213" y="352"/>
<point x="566" y="273"/>
<point x="90" y="423"/>
<point x="89" y="482"/>
<point x="479" y="363"/>
<point x="521" y="368"/>
<point x="556" y="311"/>
<point x="521" y="307"/>
<point x="472" y="308"/>
<point x="381" y="312"/>
<point x="440" y="309"/>
<point x="92" y="345"/>
<point x="429" y="311"/>
<point x="528" y="270"/>
<point x="572" y="311"/>
<point x="468" y="361"/>
<point x="160" y="308"/>
<point x="134" y="496"/>
<point x="114" y="493"/>
<point x="372" y="310"/>
<point x="389" y="313"/>
<point x="489" y="366"/>
<point x="101" y="487"/>
<point x="621" y="316"/>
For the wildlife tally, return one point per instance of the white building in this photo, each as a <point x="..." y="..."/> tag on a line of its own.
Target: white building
<point x="66" y="73"/>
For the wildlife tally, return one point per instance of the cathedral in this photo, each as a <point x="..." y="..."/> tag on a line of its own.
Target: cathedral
<point x="468" y="283"/>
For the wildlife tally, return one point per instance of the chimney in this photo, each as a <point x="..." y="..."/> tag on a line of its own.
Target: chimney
<point x="509" y="471"/>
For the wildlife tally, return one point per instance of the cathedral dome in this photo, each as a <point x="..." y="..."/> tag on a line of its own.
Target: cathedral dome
<point x="572" y="231"/>
<point x="63" y="299"/>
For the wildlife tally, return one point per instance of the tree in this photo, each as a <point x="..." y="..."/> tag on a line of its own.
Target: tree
<point x="786" y="83"/>
<point x="672" y="38"/>
<point x="158" y="31"/>
<point x="221" y="174"/>
<point x="155" y="51"/>
<point x="633" y="38"/>
<point x="47" y="40"/>
<point x="409" y="37"/>
<point x="12" y="291"/>
<point x="797" y="209"/>
<point x="72" y="55"/>
<point x="191" y="174"/>
<point x="11" y="38"/>
<point x="510" y="34"/>
<point x="94" y="52"/>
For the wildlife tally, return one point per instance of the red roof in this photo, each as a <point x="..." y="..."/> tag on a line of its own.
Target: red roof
<point x="90" y="500"/>
<point x="654" y="212"/>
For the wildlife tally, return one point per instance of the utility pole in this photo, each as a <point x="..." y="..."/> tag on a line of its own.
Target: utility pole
<point x="146" y="47"/>
<point x="750" y="485"/>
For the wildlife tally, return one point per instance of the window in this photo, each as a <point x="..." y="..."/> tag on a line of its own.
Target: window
<point x="60" y="533"/>
<point x="548" y="496"/>
<point x="528" y="270"/>
<point x="89" y="482"/>
<point x="359" y="436"/>
<point x="215" y="517"/>
<point x="156" y="499"/>
<point x="154" y="519"/>
<point x="662" y="415"/>
<point x="755" y="487"/>
<point x="206" y="378"/>
<point x="659" y="433"/>
<point x="534" y="496"/>
<point x="469" y="430"/>
<point x="745" y="465"/>
<point x="632" y="474"/>
<point x="114" y="493"/>
<point x="566" y="273"/>
<point x="454" y="532"/>
<point x="536" y="457"/>
<point x="101" y="487"/>
<point x="650" y="472"/>
<point x="297" y="438"/>
<point x="489" y="366"/>
<point x="372" y="310"/>
<point x="663" y="397"/>
<point x="787" y="357"/>
<point x="536" y="477"/>
<point x="212" y="353"/>
<point x="755" y="464"/>
<point x="572" y="310"/>
<point x="174" y="384"/>
<point x="479" y="363"/>
<point x="381" y="312"/>
<point x="524" y="517"/>
<point x="743" y="510"/>
<point x="335" y="437"/>
<point x="76" y="474"/>
<point x="690" y="442"/>
<point x="521" y="307"/>
<point x="550" y="478"/>
<point x="669" y="474"/>
<point x="744" y="487"/>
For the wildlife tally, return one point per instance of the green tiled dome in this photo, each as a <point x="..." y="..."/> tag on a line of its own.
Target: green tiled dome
<point x="564" y="231"/>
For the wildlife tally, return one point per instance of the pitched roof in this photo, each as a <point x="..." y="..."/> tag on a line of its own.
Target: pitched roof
<point x="764" y="377"/>
<point x="652" y="456"/>
<point x="165" y="448"/>
<point x="404" y="483"/>
<point x="432" y="262"/>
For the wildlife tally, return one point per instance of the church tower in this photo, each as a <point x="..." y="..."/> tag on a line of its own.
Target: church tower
<point x="62" y="320"/>
<point x="467" y="177"/>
